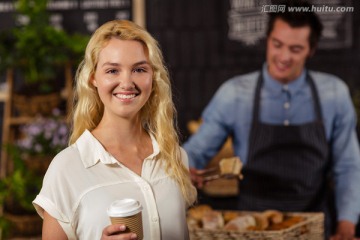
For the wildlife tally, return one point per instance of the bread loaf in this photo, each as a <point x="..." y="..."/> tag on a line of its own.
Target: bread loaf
<point x="198" y="211"/>
<point x="288" y="222"/>
<point x="241" y="223"/>
<point x="230" y="166"/>
<point x="212" y="220"/>
<point x="230" y="215"/>
<point x="274" y="216"/>
<point x="261" y="221"/>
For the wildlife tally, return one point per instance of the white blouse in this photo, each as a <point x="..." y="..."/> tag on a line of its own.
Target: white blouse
<point x="84" y="179"/>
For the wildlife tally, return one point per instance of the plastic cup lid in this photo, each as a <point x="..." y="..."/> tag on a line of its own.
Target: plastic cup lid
<point x="124" y="208"/>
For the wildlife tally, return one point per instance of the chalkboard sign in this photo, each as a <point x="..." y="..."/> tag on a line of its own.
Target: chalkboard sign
<point x="246" y="22"/>
<point x="82" y="16"/>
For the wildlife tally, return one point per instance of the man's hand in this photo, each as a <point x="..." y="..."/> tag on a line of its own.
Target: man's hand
<point x="197" y="178"/>
<point x="345" y="231"/>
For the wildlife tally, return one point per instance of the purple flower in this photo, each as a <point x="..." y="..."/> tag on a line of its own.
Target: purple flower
<point x="33" y="129"/>
<point x="46" y="136"/>
<point x="38" y="148"/>
<point x="56" y="112"/>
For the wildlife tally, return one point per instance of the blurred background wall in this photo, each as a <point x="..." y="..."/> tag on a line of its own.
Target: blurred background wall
<point x="205" y="42"/>
<point x="201" y="54"/>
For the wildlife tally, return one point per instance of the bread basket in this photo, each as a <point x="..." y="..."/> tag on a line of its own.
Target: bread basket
<point x="312" y="227"/>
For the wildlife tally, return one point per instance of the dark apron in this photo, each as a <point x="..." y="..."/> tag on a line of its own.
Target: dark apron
<point x="287" y="166"/>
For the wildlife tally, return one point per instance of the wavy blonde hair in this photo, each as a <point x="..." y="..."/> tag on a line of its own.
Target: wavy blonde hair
<point x="158" y="116"/>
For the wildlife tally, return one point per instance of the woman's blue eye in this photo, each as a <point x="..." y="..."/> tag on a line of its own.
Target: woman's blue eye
<point x="112" y="71"/>
<point x="139" y="70"/>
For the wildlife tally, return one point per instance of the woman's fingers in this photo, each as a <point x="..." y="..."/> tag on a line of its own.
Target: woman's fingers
<point x="116" y="232"/>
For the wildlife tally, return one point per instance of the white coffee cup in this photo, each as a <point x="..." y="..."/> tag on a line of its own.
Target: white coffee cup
<point x="128" y="212"/>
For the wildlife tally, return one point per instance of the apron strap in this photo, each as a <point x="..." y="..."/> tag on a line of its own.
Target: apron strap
<point x="315" y="97"/>
<point x="256" y="108"/>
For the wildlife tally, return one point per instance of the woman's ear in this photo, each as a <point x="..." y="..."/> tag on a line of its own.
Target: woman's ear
<point x="93" y="81"/>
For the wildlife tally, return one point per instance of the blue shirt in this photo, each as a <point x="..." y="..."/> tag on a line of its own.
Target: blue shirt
<point x="229" y="113"/>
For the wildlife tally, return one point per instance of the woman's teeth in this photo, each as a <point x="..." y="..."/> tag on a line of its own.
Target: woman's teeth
<point x="125" y="96"/>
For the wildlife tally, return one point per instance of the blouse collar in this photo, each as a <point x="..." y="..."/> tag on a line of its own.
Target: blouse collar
<point x="92" y="151"/>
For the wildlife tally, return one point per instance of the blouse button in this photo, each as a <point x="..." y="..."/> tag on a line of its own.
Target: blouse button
<point x="286" y="123"/>
<point x="154" y="219"/>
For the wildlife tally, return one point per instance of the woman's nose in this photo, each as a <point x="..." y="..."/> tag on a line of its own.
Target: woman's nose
<point x="126" y="81"/>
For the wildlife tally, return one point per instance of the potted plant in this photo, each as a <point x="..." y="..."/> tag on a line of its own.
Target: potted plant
<point x="17" y="190"/>
<point x="39" y="52"/>
<point x="40" y="141"/>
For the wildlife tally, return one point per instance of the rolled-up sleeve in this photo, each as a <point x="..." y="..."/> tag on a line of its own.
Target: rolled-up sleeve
<point x="346" y="157"/>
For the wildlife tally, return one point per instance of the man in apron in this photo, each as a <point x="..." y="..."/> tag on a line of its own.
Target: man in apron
<point x="294" y="130"/>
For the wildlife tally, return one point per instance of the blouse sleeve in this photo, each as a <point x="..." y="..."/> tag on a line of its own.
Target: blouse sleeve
<point x="56" y="196"/>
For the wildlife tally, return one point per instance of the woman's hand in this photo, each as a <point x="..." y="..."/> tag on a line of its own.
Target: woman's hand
<point x="116" y="232"/>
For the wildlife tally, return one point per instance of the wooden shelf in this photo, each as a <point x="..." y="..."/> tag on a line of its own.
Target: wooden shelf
<point x="20" y="120"/>
<point x="11" y="122"/>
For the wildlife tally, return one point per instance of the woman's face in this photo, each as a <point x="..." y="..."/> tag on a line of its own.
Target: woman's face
<point x="123" y="77"/>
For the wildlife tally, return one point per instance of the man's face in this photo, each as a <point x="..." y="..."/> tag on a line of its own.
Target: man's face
<point x="287" y="51"/>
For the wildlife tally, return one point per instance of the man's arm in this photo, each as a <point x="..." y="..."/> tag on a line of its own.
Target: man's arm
<point x="203" y="145"/>
<point x="346" y="157"/>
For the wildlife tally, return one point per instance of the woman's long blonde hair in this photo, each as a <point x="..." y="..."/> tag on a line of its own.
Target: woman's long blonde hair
<point x="158" y="116"/>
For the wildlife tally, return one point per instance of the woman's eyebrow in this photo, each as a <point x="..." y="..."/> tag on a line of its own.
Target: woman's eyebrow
<point x="111" y="64"/>
<point x="118" y="64"/>
<point x="141" y="63"/>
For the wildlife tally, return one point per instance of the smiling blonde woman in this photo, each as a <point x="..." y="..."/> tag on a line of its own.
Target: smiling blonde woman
<point x="124" y="144"/>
